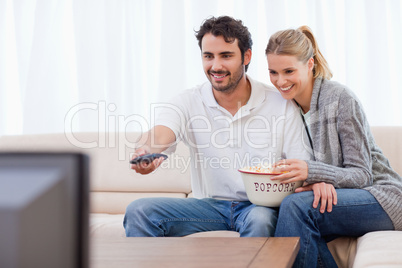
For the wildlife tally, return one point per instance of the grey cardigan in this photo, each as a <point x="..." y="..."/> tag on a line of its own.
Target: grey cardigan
<point x="345" y="152"/>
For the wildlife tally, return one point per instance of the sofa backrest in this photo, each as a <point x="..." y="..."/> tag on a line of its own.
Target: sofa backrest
<point x="389" y="139"/>
<point x="114" y="185"/>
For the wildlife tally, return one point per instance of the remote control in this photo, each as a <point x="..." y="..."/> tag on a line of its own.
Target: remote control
<point x="147" y="158"/>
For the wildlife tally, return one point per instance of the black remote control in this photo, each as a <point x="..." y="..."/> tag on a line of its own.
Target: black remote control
<point x="147" y="158"/>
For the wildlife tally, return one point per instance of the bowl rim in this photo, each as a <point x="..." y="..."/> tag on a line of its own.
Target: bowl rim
<point x="257" y="173"/>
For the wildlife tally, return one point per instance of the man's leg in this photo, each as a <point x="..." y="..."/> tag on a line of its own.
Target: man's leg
<point x="255" y="221"/>
<point x="356" y="214"/>
<point x="151" y="217"/>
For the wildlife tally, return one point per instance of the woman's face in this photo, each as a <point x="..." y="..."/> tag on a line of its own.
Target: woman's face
<point x="293" y="78"/>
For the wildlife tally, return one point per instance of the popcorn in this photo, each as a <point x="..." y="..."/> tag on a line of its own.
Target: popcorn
<point x="263" y="169"/>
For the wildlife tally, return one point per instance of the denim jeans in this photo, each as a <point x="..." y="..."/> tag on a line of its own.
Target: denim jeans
<point x="357" y="212"/>
<point x="153" y="217"/>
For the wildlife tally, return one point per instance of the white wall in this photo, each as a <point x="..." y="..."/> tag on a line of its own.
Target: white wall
<point x="99" y="65"/>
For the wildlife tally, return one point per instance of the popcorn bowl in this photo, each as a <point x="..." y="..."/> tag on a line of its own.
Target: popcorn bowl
<point x="263" y="191"/>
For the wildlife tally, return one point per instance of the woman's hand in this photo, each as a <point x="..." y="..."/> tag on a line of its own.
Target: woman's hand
<point x="292" y="169"/>
<point x="322" y="191"/>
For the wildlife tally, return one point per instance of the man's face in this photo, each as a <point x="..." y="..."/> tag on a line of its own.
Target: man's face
<point x="222" y="62"/>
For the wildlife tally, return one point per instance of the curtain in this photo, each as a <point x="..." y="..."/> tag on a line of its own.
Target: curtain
<point x="100" y="65"/>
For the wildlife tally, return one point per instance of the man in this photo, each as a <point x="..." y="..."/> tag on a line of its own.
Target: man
<point x="228" y="123"/>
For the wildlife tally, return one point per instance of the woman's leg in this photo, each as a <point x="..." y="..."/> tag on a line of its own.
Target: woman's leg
<point x="356" y="214"/>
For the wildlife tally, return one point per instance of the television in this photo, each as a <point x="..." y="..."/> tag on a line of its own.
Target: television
<point x="44" y="210"/>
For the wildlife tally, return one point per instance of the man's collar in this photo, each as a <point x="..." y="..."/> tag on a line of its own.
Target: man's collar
<point x="257" y="95"/>
<point x="256" y="98"/>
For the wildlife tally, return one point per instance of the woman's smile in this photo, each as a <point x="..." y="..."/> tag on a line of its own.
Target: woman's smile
<point x="286" y="88"/>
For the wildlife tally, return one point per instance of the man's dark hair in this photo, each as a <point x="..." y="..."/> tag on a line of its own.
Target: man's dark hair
<point x="230" y="29"/>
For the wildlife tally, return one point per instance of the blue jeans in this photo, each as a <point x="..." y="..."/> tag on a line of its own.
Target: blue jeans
<point x="356" y="214"/>
<point x="155" y="217"/>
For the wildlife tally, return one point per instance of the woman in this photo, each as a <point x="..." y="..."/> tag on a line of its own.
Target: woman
<point x="368" y="195"/>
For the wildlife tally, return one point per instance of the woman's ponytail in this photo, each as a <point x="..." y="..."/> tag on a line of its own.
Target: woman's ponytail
<point x="302" y="44"/>
<point x="321" y="68"/>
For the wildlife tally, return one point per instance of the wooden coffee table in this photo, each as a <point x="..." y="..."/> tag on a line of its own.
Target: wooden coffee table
<point x="194" y="252"/>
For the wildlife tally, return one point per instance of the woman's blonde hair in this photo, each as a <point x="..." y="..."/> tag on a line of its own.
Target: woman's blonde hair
<point x="302" y="44"/>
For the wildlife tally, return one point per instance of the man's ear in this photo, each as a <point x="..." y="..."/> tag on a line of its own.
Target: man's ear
<point x="247" y="57"/>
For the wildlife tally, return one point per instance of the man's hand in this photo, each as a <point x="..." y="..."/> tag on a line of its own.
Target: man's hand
<point x="145" y="167"/>
<point x="322" y="191"/>
<point x="157" y="139"/>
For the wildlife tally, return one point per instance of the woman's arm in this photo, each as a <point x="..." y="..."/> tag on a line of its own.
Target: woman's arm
<point x="353" y="145"/>
<point x="348" y="142"/>
<point x="324" y="193"/>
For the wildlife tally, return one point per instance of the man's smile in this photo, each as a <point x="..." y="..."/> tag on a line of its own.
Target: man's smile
<point x="218" y="76"/>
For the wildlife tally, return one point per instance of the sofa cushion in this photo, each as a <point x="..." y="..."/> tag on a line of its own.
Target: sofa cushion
<point x="103" y="225"/>
<point x="379" y="250"/>
<point x="117" y="202"/>
<point x="343" y="249"/>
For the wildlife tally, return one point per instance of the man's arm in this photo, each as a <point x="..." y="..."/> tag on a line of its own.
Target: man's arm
<point x="156" y="140"/>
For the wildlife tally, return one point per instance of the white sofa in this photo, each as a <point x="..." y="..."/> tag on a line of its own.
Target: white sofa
<point x="114" y="185"/>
